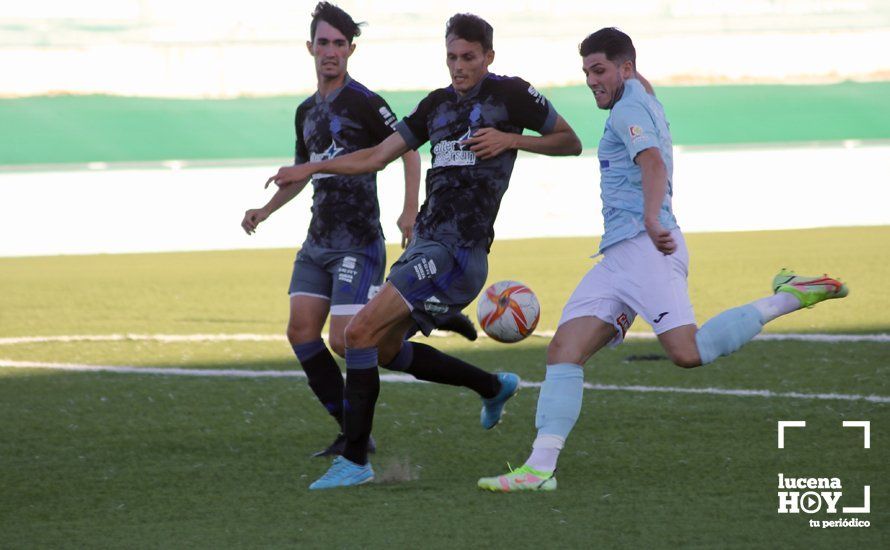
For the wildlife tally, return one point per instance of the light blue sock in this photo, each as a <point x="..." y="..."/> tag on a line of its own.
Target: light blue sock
<point x="727" y="332"/>
<point x="559" y="402"/>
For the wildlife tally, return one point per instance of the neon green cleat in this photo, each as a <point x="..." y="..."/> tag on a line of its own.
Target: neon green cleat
<point x="524" y="478"/>
<point x="809" y="290"/>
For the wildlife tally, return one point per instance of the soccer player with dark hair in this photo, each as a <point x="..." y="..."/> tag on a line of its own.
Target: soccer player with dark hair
<point x="341" y="263"/>
<point x="644" y="265"/>
<point x="474" y="127"/>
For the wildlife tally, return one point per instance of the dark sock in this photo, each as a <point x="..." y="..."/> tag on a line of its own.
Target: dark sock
<point x="324" y="376"/>
<point x="428" y="363"/>
<point x="362" y="389"/>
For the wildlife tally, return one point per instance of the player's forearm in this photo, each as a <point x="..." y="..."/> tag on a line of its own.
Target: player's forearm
<point x="654" y="176"/>
<point x="560" y="143"/>
<point x="284" y="195"/>
<point x="411" y="162"/>
<point x="363" y="161"/>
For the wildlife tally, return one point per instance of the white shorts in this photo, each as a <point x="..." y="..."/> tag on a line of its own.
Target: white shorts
<point x="635" y="278"/>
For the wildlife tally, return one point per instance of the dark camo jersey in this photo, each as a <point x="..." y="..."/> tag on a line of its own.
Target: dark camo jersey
<point x="463" y="193"/>
<point x="345" y="212"/>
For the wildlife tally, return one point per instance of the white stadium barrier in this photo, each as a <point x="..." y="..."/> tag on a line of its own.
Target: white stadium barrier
<point x="177" y="206"/>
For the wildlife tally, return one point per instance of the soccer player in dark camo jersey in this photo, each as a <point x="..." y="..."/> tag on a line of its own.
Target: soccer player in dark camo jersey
<point x="342" y="260"/>
<point x="475" y="128"/>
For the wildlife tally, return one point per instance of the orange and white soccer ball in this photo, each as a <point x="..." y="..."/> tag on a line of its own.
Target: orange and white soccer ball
<point x="508" y="311"/>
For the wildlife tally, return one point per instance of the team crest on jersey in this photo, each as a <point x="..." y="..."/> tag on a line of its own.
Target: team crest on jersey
<point x="329" y="153"/>
<point x="453" y="152"/>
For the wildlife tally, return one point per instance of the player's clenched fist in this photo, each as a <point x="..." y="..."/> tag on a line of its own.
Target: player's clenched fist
<point x="252" y="218"/>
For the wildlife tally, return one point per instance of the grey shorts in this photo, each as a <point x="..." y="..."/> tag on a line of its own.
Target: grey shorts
<point x="436" y="282"/>
<point x="348" y="278"/>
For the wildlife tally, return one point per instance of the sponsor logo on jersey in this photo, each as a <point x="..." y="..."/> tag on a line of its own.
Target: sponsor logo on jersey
<point x="347" y="271"/>
<point x="453" y="153"/>
<point x="329" y="153"/>
<point x="388" y="118"/>
<point x="537" y="95"/>
<point x="636" y="132"/>
<point x="426" y="267"/>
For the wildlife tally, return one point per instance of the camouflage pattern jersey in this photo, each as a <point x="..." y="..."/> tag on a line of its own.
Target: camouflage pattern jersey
<point x="463" y="193"/>
<point x="345" y="211"/>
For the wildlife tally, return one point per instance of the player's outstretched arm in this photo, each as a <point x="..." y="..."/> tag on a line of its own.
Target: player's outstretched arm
<point x="562" y="141"/>
<point x="364" y="161"/>
<point x="255" y="216"/>
<point x="654" y="174"/>
<point x="411" y="161"/>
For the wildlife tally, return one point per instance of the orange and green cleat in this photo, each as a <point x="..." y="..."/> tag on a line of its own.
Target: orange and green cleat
<point x="809" y="290"/>
<point x="524" y="478"/>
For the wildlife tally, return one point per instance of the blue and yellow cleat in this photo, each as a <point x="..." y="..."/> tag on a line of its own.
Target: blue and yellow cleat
<point x="493" y="409"/>
<point x="809" y="290"/>
<point x="344" y="473"/>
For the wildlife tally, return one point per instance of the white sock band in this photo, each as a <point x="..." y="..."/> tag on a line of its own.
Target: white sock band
<point x="547" y="441"/>
<point x="781" y="303"/>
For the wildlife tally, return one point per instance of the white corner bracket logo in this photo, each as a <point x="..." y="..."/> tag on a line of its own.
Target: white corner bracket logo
<point x="788" y="424"/>
<point x="811" y="495"/>
<point x="866" y="430"/>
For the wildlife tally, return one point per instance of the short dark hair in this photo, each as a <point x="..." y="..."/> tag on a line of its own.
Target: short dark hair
<point x="617" y="46"/>
<point x="471" y="28"/>
<point x="335" y="17"/>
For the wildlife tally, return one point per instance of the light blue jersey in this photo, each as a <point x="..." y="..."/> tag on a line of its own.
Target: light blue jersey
<point x="635" y="124"/>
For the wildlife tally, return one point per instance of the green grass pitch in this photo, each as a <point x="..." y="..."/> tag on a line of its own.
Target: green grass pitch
<point x="130" y="460"/>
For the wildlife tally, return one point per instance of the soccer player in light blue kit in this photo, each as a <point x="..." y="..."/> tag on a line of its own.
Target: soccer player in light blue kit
<point x="644" y="266"/>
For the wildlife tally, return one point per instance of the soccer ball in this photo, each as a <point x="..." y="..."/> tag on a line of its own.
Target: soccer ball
<point x="508" y="311"/>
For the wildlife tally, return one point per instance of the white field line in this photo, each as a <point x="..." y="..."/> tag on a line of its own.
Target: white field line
<point x="401" y="378"/>
<point x="173" y="338"/>
<point x="406" y="379"/>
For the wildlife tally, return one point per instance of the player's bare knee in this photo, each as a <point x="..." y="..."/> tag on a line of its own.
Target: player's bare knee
<point x="357" y="334"/>
<point x="298" y="333"/>
<point x="337" y="344"/>
<point x="562" y="351"/>
<point x="686" y="359"/>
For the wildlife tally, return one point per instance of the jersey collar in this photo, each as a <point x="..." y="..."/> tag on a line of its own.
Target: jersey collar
<point x="333" y="95"/>
<point x="474" y="91"/>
